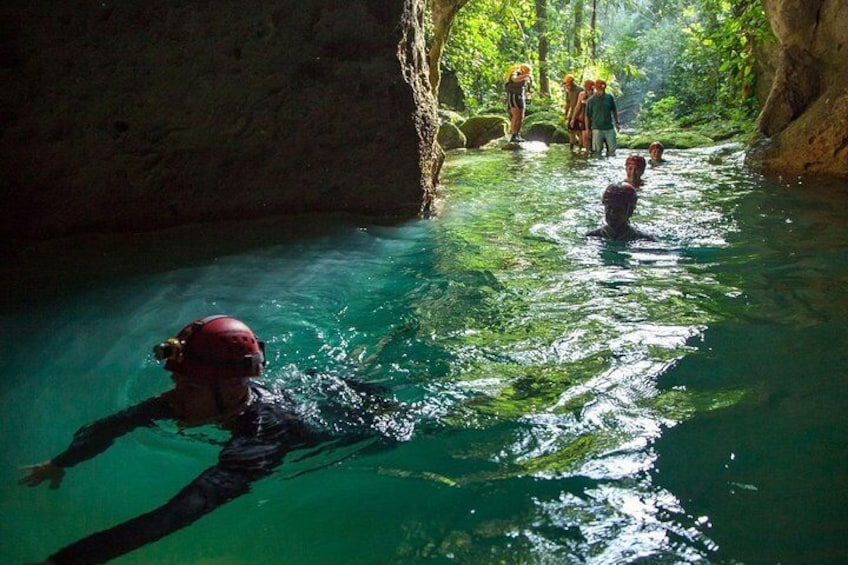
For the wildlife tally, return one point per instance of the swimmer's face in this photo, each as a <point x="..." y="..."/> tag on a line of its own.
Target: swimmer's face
<point x="617" y="214"/>
<point x="196" y="401"/>
<point x="656" y="152"/>
<point x="633" y="170"/>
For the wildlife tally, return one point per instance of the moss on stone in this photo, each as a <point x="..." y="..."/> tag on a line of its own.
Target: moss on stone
<point x="450" y="136"/>
<point x="671" y="138"/>
<point x="480" y="130"/>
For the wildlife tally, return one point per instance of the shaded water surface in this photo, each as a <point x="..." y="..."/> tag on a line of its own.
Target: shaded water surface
<point x="566" y="400"/>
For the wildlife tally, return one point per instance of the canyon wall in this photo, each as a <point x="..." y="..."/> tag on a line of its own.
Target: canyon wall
<point x="145" y="114"/>
<point x="804" y="123"/>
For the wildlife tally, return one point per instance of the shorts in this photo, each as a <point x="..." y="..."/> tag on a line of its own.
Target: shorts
<point x="515" y="101"/>
<point x="577" y="125"/>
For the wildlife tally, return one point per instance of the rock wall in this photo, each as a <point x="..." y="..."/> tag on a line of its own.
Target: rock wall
<point x="804" y="123"/>
<point x="144" y="114"/>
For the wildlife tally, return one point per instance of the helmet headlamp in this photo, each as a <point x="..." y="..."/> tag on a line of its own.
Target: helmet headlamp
<point x="170" y="349"/>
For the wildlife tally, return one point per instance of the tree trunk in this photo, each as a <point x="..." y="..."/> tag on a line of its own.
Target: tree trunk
<point x="544" y="45"/>
<point x="578" y="28"/>
<point x="593" y="32"/>
<point x="443" y="13"/>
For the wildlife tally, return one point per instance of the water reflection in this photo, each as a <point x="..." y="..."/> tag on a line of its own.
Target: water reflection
<point x="587" y="329"/>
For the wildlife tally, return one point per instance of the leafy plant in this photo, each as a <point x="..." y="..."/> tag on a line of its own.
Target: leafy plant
<point x="668" y="62"/>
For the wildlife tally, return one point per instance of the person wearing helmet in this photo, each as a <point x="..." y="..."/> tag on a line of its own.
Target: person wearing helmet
<point x="619" y="200"/>
<point x="634" y="167"/>
<point x="656" y="150"/>
<point x="602" y="119"/>
<point x="572" y="93"/>
<point x="212" y="361"/>
<point x="517" y="85"/>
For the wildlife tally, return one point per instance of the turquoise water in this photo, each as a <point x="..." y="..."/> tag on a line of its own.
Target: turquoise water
<point x="573" y="401"/>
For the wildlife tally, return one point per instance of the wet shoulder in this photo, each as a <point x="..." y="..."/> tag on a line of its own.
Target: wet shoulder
<point x="270" y="415"/>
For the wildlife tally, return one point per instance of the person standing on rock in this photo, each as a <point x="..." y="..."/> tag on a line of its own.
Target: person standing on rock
<point x="518" y="82"/>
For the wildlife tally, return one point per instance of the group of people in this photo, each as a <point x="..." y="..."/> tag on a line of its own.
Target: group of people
<point x="591" y="115"/>
<point x="619" y="198"/>
<point x="213" y="362"/>
<point x="590" y="111"/>
<point x="593" y="123"/>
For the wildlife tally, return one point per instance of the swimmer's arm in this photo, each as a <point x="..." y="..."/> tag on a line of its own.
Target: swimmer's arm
<point x="93" y="439"/>
<point x="239" y="465"/>
<point x="211" y="489"/>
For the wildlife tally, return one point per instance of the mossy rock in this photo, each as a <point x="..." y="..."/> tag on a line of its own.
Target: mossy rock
<point x="450" y="136"/>
<point x="493" y="109"/>
<point x="680" y="139"/>
<point x="561" y="136"/>
<point x="480" y="130"/>
<point x="449" y="116"/>
<point x="543" y="117"/>
<point x="540" y="132"/>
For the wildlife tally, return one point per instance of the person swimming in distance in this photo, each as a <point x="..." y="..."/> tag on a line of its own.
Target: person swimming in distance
<point x="619" y="200"/>
<point x="656" y="149"/>
<point x="634" y="167"/>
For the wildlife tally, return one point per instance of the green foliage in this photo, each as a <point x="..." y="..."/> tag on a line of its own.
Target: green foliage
<point x="660" y="114"/>
<point x="488" y="36"/>
<point x="669" y="62"/>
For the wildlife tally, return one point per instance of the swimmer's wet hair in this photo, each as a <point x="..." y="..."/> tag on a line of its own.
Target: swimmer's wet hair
<point x="620" y="192"/>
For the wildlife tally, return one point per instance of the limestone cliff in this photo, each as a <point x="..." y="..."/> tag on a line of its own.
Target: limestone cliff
<point x="143" y="114"/>
<point x="804" y="122"/>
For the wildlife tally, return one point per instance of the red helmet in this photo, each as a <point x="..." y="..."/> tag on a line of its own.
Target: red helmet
<point x="214" y="346"/>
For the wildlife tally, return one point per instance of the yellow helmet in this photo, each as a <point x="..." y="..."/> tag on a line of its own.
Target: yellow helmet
<point x="511" y="69"/>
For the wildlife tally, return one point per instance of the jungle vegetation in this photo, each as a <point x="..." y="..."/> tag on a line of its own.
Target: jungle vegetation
<point x="670" y="63"/>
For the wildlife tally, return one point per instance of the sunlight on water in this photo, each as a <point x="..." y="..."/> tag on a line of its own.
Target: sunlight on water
<point x="564" y="399"/>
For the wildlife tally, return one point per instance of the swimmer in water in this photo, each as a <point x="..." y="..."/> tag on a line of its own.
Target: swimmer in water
<point x="656" y="150"/>
<point x="619" y="201"/>
<point x="212" y="361"/>
<point x="634" y="168"/>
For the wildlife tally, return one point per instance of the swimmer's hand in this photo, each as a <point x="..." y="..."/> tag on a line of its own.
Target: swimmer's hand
<point x="47" y="471"/>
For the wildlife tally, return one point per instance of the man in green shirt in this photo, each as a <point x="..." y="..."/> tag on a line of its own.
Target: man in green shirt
<point x="602" y="119"/>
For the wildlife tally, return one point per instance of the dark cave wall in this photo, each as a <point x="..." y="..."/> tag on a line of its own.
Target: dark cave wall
<point x="142" y="115"/>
